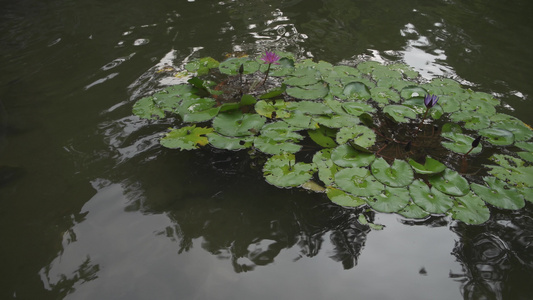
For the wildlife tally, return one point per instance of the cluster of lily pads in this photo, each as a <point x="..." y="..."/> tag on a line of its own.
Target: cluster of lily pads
<point x="365" y="134"/>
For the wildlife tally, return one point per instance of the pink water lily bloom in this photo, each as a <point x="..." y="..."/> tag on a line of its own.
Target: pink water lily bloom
<point x="270" y="58"/>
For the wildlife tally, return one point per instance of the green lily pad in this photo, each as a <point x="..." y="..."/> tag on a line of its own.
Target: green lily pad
<point x="278" y="137"/>
<point x="470" y="209"/>
<point x="449" y="104"/>
<point x="198" y="110"/>
<point x="272" y="146"/>
<point x="283" y="171"/>
<point x="360" y="135"/>
<point x="272" y="109"/>
<point x="413" y="211"/>
<point x="525" y="146"/>
<point x="147" y="108"/>
<point x="309" y="107"/>
<point x="399" y="174"/>
<point x="202" y="66"/>
<point x="229" y="143"/>
<point x="303" y="76"/>
<point x="485" y="97"/>
<point x="238" y="124"/>
<point x="472" y="120"/>
<point x="357" y="108"/>
<point x="231" y="66"/>
<point x="314" y="91"/>
<point x="389" y="200"/>
<point x="342" y="198"/>
<point x="323" y="136"/>
<point x="429" y="199"/>
<point x="355" y="91"/>
<point x="478" y="107"/>
<point x="400" y="113"/>
<point x="326" y="167"/>
<point x="451" y="183"/>
<point x="499" y="194"/>
<point x="520" y="131"/>
<point x="460" y="143"/>
<point x="337" y="121"/>
<point x="512" y="171"/>
<point x="497" y="136"/>
<point x="186" y="138"/>
<point x="285" y="67"/>
<point x="274" y="92"/>
<point x="346" y="156"/>
<point x="358" y="182"/>
<point x="412" y="92"/>
<point x="384" y="95"/>
<point x="452" y="128"/>
<point x="431" y="166"/>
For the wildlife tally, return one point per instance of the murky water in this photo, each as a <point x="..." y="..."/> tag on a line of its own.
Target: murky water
<point x="91" y="207"/>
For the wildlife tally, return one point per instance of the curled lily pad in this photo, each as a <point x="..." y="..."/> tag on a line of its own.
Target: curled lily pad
<point x="400" y="113"/>
<point x="430" y="166"/>
<point x="460" y="143"/>
<point x="326" y="167"/>
<point x="283" y="171"/>
<point x="186" y="138"/>
<point x="497" y="136"/>
<point x="346" y="156"/>
<point x="430" y="199"/>
<point x="451" y="183"/>
<point x="389" y="200"/>
<point x="229" y="143"/>
<point x="399" y="174"/>
<point x="358" y="181"/>
<point x="499" y="194"/>
<point x="238" y="124"/>
<point x="360" y="135"/>
<point x="470" y="209"/>
<point x="342" y="198"/>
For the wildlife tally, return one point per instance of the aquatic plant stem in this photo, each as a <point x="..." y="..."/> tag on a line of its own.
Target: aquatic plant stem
<point x="266" y="75"/>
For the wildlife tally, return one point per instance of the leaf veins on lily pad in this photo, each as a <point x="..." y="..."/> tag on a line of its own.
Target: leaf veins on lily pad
<point x="186" y="138"/>
<point x="283" y="171"/>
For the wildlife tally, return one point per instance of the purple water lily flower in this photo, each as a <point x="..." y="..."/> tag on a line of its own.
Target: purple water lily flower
<point x="430" y="100"/>
<point x="270" y="58"/>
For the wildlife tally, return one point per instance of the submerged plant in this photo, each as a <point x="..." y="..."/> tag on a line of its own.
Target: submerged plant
<point x="364" y="124"/>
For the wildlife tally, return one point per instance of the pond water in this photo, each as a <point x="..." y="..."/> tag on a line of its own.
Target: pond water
<point x="91" y="207"/>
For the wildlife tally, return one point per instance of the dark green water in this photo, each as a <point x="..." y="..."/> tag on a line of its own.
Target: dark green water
<point x="91" y="207"/>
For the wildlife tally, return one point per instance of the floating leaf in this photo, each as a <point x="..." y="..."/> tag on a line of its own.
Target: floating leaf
<point x="238" y="124"/>
<point x="412" y="92"/>
<point x="186" y="138"/>
<point x="337" y="121"/>
<point x="346" y="156"/>
<point x="285" y="67"/>
<point x="202" y="66"/>
<point x="400" y="113"/>
<point x="278" y="137"/>
<point x="413" y="211"/>
<point x="342" y="198"/>
<point x="520" y="131"/>
<point x="384" y="95"/>
<point x="271" y="109"/>
<point x="283" y="171"/>
<point x="198" y="110"/>
<point x="389" y="200"/>
<point x="360" y="135"/>
<point x="429" y="199"/>
<point x="470" y="209"/>
<point x="323" y="136"/>
<point x="450" y="182"/>
<point x="460" y="143"/>
<point x="314" y="91"/>
<point x="231" y="66"/>
<point x="499" y="194"/>
<point x="497" y="136"/>
<point x="449" y="104"/>
<point x="399" y="174"/>
<point x="274" y="92"/>
<point x="512" y="171"/>
<point x="229" y="143"/>
<point x="309" y="107"/>
<point x="431" y="166"/>
<point x="478" y="107"/>
<point x="451" y="128"/>
<point x="271" y="146"/>
<point x="472" y="120"/>
<point x="146" y="108"/>
<point x="357" y="108"/>
<point x="358" y="181"/>
<point x="355" y="91"/>
<point x="326" y="167"/>
<point x="303" y="76"/>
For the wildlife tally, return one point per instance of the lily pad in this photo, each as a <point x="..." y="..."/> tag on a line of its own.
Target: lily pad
<point x="520" y="131"/>
<point x="323" y="136"/>
<point x="413" y="92"/>
<point x="357" y="108"/>
<point x="399" y="174"/>
<point x="314" y="91"/>
<point x="355" y="91"/>
<point x="430" y="199"/>
<point x="389" y="200"/>
<point x="342" y="198"/>
<point x="346" y="156"/>
<point x="231" y="66"/>
<point x="186" y="138"/>
<point x="358" y="182"/>
<point x="400" y="113"/>
<point x="512" y="171"/>
<point x="238" y="124"/>
<point x="472" y="120"/>
<point x="413" y="211"/>
<point x="229" y="143"/>
<point x="326" y="167"/>
<point x="360" y="135"/>
<point x="499" y="194"/>
<point x="202" y="66"/>
<point x="451" y="183"/>
<point x="497" y="136"/>
<point x="283" y="171"/>
<point x="147" y="108"/>
<point x="470" y="209"/>
<point x="460" y="143"/>
<point x="478" y="107"/>
<point x="384" y="95"/>
<point x="198" y="110"/>
<point x="431" y="166"/>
